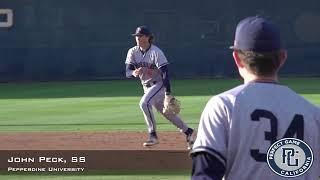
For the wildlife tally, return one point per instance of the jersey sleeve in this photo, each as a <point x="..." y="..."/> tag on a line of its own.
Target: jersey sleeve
<point x="213" y="128"/>
<point x="206" y="166"/>
<point x="160" y="59"/>
<point x="130" y="57"/>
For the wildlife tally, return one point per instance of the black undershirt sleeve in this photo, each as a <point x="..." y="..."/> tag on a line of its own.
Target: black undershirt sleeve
<point x="206" y="167"/>
<point x="165" y="78"/>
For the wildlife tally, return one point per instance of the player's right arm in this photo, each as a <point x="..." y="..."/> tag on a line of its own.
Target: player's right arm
<point x="206" y="166"/>
<point x="131" y="70"/>
<point x="209" y="150"/>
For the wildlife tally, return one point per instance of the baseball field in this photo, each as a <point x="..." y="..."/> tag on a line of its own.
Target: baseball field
<point x="32" y="111"/>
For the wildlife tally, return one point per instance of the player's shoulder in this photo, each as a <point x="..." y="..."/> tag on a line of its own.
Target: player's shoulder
<point x="245" y="92"/>
<point x="155" y="48"/>
<point x="230" y="96"/>
<point x="134" y="49"/>
<point x="226" y="98"/>
<point x="232" y="93"/>
<point x="298" y="99"/>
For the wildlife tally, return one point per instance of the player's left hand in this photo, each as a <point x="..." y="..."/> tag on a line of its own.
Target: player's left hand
<point x="171" y="105"/>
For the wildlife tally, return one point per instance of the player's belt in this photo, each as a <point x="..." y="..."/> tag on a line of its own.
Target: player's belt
<point x="149" y="84"/>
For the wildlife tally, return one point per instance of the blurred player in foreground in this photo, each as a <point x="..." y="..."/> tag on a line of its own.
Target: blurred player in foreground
<point x="238" y="126"/>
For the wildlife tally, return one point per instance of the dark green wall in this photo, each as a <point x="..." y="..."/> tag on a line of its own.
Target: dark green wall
<point x="82" y="39"/>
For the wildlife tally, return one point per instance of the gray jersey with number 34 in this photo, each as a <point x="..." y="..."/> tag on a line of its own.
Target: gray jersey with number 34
<point x="239" y="125"/>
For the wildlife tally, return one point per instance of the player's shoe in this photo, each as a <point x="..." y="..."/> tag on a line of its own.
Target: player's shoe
<point x="190" y="137"/>
<point x="151" y="142"/>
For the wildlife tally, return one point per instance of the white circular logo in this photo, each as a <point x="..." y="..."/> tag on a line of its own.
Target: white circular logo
<point x="290" y="157"/>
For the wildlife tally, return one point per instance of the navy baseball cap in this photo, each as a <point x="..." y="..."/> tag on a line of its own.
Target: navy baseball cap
<point x="142" y="30"/>
<point x="257" y="34"/>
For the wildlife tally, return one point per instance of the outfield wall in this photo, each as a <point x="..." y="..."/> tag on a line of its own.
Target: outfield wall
<point x="81" y="39"/>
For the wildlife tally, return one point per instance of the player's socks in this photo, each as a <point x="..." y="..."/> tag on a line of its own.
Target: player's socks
<point x="153" y="135"/>
<point x="189" y="131"/>
<point x="190" y="137"/>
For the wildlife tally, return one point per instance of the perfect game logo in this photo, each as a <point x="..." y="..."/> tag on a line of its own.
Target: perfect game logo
<point x="290" y="157"/>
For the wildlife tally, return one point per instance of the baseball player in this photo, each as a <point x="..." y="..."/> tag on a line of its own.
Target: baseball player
<point x="147" y="61"/>
<point x="238" y="126"/>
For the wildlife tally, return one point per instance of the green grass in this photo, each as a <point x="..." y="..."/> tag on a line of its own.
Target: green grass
<point x="109" y="105"/>
<point x="76" y="114"/>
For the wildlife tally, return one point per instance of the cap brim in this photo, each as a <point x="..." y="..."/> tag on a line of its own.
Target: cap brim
<point x="136" y="34"/>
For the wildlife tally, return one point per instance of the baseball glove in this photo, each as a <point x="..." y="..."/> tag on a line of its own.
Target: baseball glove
<point x="171" y="105"/>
